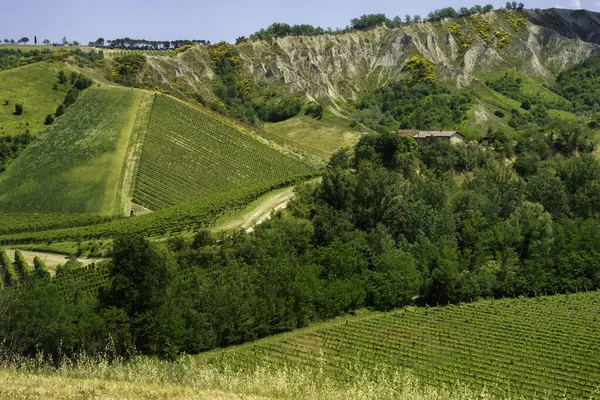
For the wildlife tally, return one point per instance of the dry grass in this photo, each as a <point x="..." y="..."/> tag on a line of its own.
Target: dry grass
<point x="145" y="378"/>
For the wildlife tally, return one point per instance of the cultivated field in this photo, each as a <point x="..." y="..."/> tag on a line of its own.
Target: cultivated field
<point x="186" y="217"/>
<point x="188" y="155"/>
<point x="545" y="347"/>
<point x="76" y="165"/>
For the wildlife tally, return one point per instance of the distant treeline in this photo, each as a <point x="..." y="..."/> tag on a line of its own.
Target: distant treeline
<point x="370" y="21"/>
<point x="143" y="44"/>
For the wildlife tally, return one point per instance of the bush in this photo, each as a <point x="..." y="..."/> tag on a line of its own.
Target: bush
<point x="18" y="109"/>
<point x="83" y="82"/>
<point x="71" y="97"/>
<point x="60" y="110"/>
<point x="499" y="114"/>
<point x="315" y="110"/>
<point x="49" y="119"/>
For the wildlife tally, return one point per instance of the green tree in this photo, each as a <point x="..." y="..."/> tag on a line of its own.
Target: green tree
<point x="60" y="110"/>
<point x="49" y="120"/>
<point x="394" y="280"/>
<point x="18" y="109"/>
<point x="62" y="77"/>
<point x="141" y="274"/>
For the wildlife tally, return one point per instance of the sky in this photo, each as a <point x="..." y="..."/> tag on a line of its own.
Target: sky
<point x="214" y="20"/>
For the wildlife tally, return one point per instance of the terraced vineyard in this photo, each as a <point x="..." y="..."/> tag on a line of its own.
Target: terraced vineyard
<point x="188" y="155"/>
<point x="545" y="347"/>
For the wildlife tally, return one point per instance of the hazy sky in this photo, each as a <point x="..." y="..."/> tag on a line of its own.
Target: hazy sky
<point x="213" y="20"/>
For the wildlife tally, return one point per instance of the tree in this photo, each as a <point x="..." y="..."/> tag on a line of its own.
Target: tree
<point x="49" y="120"/>
<point x="24" y="40"/>
<point x="417" y="18"/>
<point x="6" y="41"/>
<point x="35" y="40"/>
<point x="520" y="6"/>
<point x="62" y="77"/>
<point x="508" y="5"/>
<point x="407" y="19"/>
<point x="60" y="110"/>
<point x="487" y="8"/>
<point x="46" y="42"/>
<point x="141" y="274"/>
<point x="75" y="43"/>
<point x="99" y="42"/>
<point x="18" y="109"/>
<point x="394" y="280"/>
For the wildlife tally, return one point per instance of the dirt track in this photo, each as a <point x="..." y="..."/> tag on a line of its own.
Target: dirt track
<point x="261" y="213"/>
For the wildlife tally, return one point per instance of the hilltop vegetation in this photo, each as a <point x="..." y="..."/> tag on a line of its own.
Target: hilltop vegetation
<point x="75" y="166"/>
<point x="189" y="155"/>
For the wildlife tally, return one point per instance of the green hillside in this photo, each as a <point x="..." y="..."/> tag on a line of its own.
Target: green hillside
<point x="545" y="346"/>
<point x="188" y="155"/>
<point x="76" y="165"/>
<point x="31" y="86"/>
<point x="319" y="137"/>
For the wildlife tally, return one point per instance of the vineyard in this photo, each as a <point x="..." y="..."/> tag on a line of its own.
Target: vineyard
<point x="17" y="223"/>
<point x="545" y="347"/>
<point x="188" y="155"/>
<point x="117" y="52"/>
<point x="81" y="280"/>
<point x="190" y="216"/>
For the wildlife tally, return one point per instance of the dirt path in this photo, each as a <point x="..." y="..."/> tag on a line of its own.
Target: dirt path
<point x="260" y="213"/>
<point x="51" y="260"/>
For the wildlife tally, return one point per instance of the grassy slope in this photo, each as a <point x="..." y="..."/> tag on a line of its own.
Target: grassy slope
<point x="521" y="347"/>
<point x="188" y="155"/>
<point x="75" y="166"/>
<point x="31" y="86"/>
<point x="320" y="138"/>
<point x="145" y="378"/>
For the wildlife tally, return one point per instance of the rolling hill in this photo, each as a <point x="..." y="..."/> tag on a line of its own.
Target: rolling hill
<point x="542" y="347"/>
<point x="78" y="164"/>
<point x="32" y="86"/>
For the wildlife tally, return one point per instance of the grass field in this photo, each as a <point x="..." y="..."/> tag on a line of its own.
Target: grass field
<point x="545" y="347"/>
<point x="188" y="155"/>
<point x="320" y="138"/>
<point x="30" y="85"/>
<point x="76" y="165"/>
<point x="145" y="378"/>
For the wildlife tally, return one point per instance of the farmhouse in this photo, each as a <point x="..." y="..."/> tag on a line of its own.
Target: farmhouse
<point x="422" y="137"/>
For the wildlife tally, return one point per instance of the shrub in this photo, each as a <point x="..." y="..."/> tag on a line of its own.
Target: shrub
<point x="499" y="114"/>
<point x="60" y="110"/>
<point x="18" y="109"/>
<point x="49" y="119"/>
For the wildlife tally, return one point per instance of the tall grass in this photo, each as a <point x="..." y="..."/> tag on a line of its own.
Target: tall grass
<point x="143" y="377"/>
